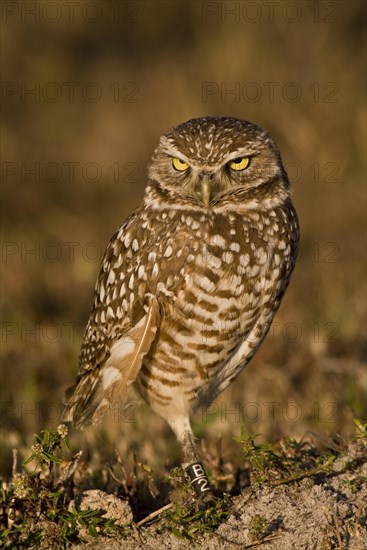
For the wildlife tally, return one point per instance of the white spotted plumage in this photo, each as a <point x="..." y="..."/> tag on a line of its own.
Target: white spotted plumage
<point x="191" y="281"/>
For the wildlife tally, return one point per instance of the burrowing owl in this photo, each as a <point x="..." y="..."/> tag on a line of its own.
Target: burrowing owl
<point x="191" y="281"/>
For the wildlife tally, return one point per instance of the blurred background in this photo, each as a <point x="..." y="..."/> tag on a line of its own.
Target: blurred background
<point x="87" y="89"/>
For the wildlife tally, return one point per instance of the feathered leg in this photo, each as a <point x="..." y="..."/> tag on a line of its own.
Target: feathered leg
<point x="191" y="464"/>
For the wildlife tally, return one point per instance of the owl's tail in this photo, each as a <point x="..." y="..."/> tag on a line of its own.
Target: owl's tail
<point x="83" y="399"/>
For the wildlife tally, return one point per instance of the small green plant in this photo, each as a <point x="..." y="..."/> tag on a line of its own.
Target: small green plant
<point x="44" y="448"/>
<point x="361" y="430"/>
<point x="288" y="461"/>
<point x="185" y="522"/>
<point x="259" y="526"/>
<point x="34" y="505"/>
<point x="264" y="460"/>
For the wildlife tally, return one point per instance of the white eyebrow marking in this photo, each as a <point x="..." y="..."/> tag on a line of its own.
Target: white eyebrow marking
<point x="243" y="152"/>
<point x="174" y="153"/>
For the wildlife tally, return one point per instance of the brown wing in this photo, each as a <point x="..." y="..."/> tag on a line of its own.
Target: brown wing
<point x="135" y="282"/>
<point x="120" y="329"/>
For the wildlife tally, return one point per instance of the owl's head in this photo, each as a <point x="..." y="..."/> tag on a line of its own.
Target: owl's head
<point x="210" y="160"/>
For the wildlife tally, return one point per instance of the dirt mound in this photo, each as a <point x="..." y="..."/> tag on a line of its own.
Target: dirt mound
<point x="322" y="511"/>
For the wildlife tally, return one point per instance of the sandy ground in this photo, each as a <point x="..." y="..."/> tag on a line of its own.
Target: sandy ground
<point x="322" y="512"/>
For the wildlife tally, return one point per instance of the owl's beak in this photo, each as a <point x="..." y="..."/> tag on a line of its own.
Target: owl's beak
<point x="205" y="189"/>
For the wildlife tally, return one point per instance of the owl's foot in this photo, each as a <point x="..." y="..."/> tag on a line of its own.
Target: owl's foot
<point x="200" y="483"/>
<point x="205" y="501"/>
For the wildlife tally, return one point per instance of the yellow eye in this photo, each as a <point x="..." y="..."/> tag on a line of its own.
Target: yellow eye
<point x="179" y="165"/>
<point x="239" y="164"/>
